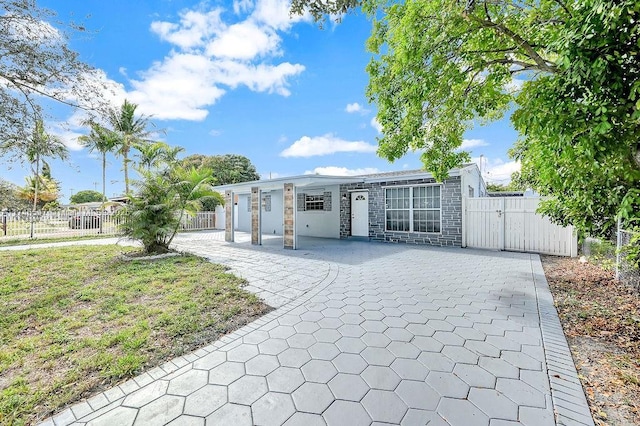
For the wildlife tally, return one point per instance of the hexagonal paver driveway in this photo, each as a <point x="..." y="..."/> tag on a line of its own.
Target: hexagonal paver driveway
<point x="367" y="334"/>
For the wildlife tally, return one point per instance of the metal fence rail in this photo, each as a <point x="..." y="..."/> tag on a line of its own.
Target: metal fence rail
<point x="73" y="223"/>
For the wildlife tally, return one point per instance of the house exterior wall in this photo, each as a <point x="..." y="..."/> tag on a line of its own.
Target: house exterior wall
<point x="243" y="210"/>
<point x="323" y="224"/>
<point x="451" y="212"/>
<point x="272" y="212"/>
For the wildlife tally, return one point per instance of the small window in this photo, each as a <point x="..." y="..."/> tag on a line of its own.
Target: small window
<point x="313" y="202"/>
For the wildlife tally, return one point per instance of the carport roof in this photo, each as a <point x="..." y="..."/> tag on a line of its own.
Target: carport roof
<point x="321" y="180"/>
<point x="297" y="181"/>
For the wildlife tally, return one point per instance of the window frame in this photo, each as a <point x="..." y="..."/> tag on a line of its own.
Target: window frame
<point x="310" y="199"/>
<point x="410" y="210"/>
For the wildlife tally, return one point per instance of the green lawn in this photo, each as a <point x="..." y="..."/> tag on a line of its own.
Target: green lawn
<point x="75" y="320"/>
<point x="17" y="241"/>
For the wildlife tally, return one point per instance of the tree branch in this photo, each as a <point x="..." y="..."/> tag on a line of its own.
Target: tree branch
<point x="541" y="63"/>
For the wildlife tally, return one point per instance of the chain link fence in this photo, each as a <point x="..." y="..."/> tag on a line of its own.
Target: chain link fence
<point x="628" y="257"/>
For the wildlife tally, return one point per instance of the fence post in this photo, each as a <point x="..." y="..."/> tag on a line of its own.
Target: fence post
<point x="618" y="247"/>
<point x="4" y="223"/>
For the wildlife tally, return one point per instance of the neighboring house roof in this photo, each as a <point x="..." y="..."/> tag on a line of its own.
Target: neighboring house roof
<point x="506" y="194"/>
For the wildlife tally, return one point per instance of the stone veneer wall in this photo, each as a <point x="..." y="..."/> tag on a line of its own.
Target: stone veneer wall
<point x="289" y="217"/>
<point x="451" y="216"/>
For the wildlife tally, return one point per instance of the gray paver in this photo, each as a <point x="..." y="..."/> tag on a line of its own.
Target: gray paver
<point x="349" y="387"/>
<point x="272" y="409"/>
<point x="205" y="400"/>
<point x="312" y="397"/>
<point x="319" y="371"/>
<point x="469" y="342"/>
<point x="305" y="419"/>
<point x="346" y="413"/>
<point x="146" y="394"/>
<point x="460" y="412"/>
<point x="160" y="411"/>
<point x="418" y="395"/>
<point x="226" y="373"/>
<point x="384" y="406"/>
<point x="378" y="377"/>
<point x="188" y="382"/>
<point x="247" y="389"/>
<point x="230" y="414"/>
<point x="124" y="416"/>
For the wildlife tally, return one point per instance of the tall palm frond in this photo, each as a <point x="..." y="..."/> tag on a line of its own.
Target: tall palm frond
<point x="131" y="131"/>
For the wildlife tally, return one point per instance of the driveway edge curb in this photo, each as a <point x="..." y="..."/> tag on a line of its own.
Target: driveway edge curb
<point x="569" y="401"/>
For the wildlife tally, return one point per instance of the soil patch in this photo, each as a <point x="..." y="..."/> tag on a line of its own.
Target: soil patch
<point x="601" y="319"/>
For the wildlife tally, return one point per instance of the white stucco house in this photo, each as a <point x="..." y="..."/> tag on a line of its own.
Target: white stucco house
<point x="405" y="206"/>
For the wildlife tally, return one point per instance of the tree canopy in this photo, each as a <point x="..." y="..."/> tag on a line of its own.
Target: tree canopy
<point x="226" y="169"/>
<point x="35" y="64"/>
<point x="10" y="197"/>
<point x="568" y="70"/>
<point x="86" y="196"/>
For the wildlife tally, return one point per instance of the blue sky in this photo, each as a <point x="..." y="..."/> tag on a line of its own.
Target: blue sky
<point x="238" y="77"/>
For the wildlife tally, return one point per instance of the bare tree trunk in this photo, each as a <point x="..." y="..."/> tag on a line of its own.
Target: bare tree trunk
<point x="35" y="193"/>
<point x="104" y="179"/>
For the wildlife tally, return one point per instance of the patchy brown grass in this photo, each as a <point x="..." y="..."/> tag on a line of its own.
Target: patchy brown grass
<point x="77" y="320"/>
<point x="601" y="319"/>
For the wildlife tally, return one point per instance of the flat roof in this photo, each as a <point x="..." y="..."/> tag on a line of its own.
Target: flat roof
<point x="312" y="180"/>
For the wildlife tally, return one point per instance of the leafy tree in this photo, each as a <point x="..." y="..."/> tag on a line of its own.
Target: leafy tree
<point x="568" y="69"/>
<point x="87" y="196"/>
<point x="226" y="169"/>
<point x="39" y="191"/>
<point x="39" y="146"/>
<point x="130" y="132"/>
<point x="35" y="64"/>
<point x="102" y="140"/>
<point x="580" y="133"/>
<point x="10" y="197"/>
<point x="154" y="214"/>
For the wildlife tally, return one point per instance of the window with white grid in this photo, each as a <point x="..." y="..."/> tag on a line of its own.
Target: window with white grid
<point x="413" y="209"/>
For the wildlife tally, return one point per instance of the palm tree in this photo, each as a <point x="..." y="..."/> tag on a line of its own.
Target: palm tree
<point x="153" y="155"/>
<point x="131" y="131"/>
<point x="40" y="146"/>
<point x="102" y="140"/>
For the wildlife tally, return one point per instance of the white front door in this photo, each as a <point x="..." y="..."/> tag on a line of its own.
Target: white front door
<point x="360" y="214"/>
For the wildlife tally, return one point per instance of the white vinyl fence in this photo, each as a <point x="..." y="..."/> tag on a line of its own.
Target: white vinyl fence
<point x="73" y="223"/>
<point x="512" y="224"/>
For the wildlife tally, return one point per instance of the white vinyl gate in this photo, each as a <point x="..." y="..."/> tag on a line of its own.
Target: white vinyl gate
<point x="511" y="223"/>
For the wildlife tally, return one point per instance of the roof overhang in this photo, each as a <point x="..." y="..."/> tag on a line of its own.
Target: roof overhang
<point x="304" y="181"/>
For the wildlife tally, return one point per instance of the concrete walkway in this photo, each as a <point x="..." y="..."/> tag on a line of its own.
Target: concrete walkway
<point x="366" y="333"/>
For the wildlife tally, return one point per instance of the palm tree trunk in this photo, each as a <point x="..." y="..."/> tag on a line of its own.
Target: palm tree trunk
<point x="125" y="156"/>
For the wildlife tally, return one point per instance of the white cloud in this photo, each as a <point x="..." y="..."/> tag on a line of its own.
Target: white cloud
<point x="324" y="145"/>
<point x="472" y="143"/>
<point x="212" y="53"/>
<point x="68" y="134"/>
<point x="244" y="41"/>
<point x="354" y="107"/>
<point x="497" y="170"/>
<point x="376" y="125"/>
<point x="341" y="171"/>
<point x="193" y="29"/>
